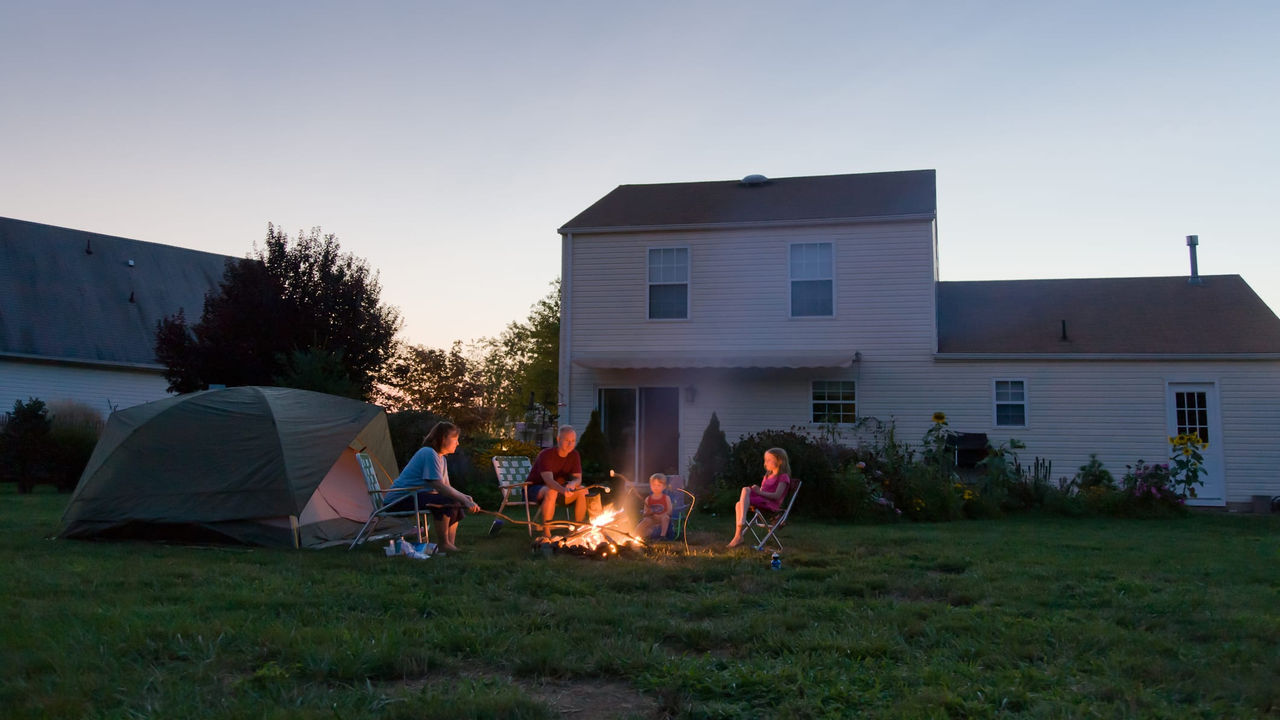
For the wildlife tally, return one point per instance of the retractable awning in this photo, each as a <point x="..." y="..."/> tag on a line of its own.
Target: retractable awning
<point x="650" y="359"/>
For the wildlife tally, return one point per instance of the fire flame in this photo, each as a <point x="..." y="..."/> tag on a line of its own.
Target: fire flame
<point x="601" y="535"/>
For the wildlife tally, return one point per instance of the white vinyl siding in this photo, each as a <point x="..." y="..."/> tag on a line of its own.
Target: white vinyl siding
<point x="884" y="309"/>
<point x="669" y="283"/>
<point x="834" y="401"/>
<point x="812" y="280"/>
<point x="740" y="285"/>
<point x="1009" y="406"/>
<point x="99" y="388"/>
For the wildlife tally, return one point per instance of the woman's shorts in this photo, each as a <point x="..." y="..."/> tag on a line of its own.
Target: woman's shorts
<point x="438" y="504"/>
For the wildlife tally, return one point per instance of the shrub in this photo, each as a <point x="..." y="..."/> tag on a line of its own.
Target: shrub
<point x="710" y="460"/>
<point x="1149" y="491"/>
<point x="593" y="450"/>
<point x="73" y="433"/>
<point x="860" y="497"/>
<point x="480" y="481"/>
<point x="808" y="464"/>
<point x="1094" y="486"/>
<point x="25" y="446"/>
<point x="408" y="428"/>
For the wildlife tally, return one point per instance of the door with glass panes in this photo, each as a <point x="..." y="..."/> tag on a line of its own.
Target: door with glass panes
<point x="1193" y="408"/>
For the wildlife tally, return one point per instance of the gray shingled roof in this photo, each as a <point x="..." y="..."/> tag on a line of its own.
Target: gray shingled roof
<point x="1161" y="315"/>
<point x="827" y="197"/>
<point x="59" y="302"/>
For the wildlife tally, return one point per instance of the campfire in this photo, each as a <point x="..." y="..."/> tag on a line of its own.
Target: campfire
<point x="600" y="538"/>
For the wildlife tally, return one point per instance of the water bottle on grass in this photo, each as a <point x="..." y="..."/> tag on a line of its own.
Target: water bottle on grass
<point x="776" y="562"/>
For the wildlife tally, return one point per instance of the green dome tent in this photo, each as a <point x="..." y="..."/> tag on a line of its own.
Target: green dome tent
<point x="261" y="465"/>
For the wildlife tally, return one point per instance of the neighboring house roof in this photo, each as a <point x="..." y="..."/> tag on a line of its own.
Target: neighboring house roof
<point x="1106" y="316"/>
<point x="60" y="302"/>
<point x="910" y="193"/>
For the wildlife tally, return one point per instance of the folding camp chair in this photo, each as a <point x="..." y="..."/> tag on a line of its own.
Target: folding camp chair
<point x="381" y="509"/>
<point x="769" y="522"/>
<point x="679" y="501"/>
<point x="513" y="475"/>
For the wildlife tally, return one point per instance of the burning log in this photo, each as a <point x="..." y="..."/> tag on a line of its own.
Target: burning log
<point x="600" y="538"/>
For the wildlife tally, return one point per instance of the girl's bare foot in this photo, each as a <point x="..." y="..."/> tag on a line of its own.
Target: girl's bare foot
<point x="735" y="542"/>
<point x="450" y="548"/>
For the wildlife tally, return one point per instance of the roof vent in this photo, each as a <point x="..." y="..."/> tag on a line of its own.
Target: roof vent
<point x="753" y="180"/>
<point x="1192" y="242"/>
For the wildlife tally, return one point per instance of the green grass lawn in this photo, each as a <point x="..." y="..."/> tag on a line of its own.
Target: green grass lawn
<point x="1034" y="617"/>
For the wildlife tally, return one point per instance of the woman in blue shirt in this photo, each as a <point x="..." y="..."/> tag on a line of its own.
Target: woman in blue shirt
<point x="428" y="472"/>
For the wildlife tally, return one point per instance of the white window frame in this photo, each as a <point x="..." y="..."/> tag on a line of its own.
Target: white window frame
<point x="996" y="402"/>
<point x="688" y="284"/>
<point x="813" y="388"/>
<point x="790" y="280"/>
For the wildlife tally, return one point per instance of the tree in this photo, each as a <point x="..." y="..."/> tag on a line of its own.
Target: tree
<point x="710" y="459"/>
<point x="487" y="384"/>
<point x="443" y="383"/>
<point x="303" y="312"/>
<point x="592" y="449"/>
<point x="25" y="444"/>
<point x="525" y="360"/>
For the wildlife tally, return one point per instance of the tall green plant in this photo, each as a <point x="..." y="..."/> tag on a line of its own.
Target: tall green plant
<point x="710" y="460"/>
<point x="25" y="444"/>
<point x="592" y="448"/>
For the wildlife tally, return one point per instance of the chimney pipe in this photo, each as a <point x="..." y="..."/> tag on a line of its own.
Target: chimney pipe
<point x="1192" y="242"/>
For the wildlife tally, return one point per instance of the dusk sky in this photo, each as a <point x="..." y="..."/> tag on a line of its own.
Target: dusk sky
<point x="445" y="142"/>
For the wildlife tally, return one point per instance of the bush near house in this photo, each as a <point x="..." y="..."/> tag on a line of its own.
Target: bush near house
<point x="74" y="432"/>
<point x="43" y="445"/>
<point x="746" y="466"/>
<point x="884" y="478"/>
<point x="482" y="484"/>
<point x="710" y="460"/>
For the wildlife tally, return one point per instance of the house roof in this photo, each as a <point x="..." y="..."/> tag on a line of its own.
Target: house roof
<point x="863" y="196"/>
<point x="1139" y="316"/>
<point x="60" y="302"/>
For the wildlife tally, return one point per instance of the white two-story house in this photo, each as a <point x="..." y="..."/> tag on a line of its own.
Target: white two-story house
<point x="806" y="301"/>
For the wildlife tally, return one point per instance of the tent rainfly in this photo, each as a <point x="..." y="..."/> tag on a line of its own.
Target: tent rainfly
<point x="260" y="465"/>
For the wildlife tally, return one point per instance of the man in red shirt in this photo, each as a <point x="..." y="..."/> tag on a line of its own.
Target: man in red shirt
<point x="556" y="472"/>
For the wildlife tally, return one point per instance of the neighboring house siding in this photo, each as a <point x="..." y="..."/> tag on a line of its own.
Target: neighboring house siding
<point x="99" y="388"/>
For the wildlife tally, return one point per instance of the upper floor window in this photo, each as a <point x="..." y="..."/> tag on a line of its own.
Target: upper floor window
<point x="812" y="284"/>
<point x="668" y="283"/>
<point x="1011" y="403"/>
<point x="834" y="401"/>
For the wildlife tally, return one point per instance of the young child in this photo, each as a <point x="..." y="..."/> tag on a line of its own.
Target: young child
<point x="657" y="509"/>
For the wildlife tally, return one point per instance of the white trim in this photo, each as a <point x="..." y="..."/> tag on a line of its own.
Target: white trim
<point x="790" y="280"/>
<point x="1026" y="403"/>
<point x="150" y="368"/>
<point x="748" y="224"/>
<point x="688" y="283"/>
<point x="856" y="402"/>
<point x="1214" y="398"/>
<point x="565" y="374"/>
<point x="632" y="360"/>
<point x="1013" y="357"/>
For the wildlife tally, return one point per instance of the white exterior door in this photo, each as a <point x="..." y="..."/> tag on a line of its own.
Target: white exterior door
<point x="1193" y="408"/>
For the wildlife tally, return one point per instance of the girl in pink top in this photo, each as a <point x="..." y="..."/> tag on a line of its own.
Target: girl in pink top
<point x="767" y="495"/>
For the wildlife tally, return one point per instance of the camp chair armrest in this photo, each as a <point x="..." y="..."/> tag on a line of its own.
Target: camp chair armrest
<point x="407" y="488"/>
